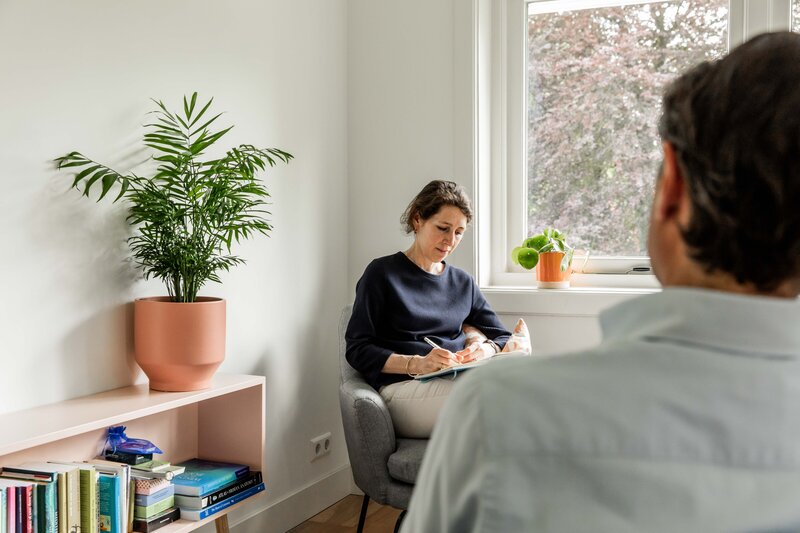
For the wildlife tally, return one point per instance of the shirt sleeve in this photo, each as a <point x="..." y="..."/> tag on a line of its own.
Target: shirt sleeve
<point x="485" y="319"/>
<point x="447" y="493"/>
<point x="363" y="352"/>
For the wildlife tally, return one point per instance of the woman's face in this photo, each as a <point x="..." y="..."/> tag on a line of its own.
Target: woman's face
<point x="439" y="235"/>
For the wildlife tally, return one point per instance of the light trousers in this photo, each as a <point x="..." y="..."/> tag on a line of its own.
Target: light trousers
<point x="415" y="405"/>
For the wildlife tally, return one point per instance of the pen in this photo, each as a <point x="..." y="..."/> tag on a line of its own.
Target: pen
<point x="433" y="344"/>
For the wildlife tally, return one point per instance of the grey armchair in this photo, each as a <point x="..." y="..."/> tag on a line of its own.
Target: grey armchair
<point x="384" y="467"/>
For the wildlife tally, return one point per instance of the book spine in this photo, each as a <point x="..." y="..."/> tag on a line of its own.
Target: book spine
<point x="201" y="502"/>
<point x="145" y="500"/>
<point x="149" y="512"/>
<point x="221" y="505"/>
<point x="147" y="526"/>
<point x="3" y="511"/>
<point x="244" y="484"/>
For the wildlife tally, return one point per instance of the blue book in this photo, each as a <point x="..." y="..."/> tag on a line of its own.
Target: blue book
<point x="146" y="500"/>
<point x="110" y="508"/>
<point x="202" y="477"/>
<point x="199" y="514"/>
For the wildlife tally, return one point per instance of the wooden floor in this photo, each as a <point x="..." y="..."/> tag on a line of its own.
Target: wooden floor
<point x="342" y="517"/>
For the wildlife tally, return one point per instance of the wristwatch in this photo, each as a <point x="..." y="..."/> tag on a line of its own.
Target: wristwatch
<point x="493" y="344"/>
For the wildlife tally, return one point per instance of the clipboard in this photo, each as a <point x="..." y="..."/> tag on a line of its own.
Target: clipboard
<point x="455" y="370"/>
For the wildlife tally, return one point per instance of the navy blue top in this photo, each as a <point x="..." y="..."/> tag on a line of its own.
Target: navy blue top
<point x="397" y="304"/>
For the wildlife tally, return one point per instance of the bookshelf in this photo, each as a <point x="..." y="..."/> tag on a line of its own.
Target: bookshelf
<point x="224" y="423"/>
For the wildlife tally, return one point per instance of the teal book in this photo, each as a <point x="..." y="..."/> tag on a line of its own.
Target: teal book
<point x="47" y="507"/>
<point x="202" y="477"/>
<point x="110" y="504"/>
<point x="3" y="517"/>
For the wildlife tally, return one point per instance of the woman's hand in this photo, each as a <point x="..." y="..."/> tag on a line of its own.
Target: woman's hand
<point x="437" y="359"/>
<point x="474" y="352"/>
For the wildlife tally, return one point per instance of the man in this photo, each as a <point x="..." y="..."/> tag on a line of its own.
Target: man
<point x="687" y="416"/>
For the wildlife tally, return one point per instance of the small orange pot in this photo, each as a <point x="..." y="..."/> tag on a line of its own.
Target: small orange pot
<point x="179" y="345"/>
<point x="548" y="271"/>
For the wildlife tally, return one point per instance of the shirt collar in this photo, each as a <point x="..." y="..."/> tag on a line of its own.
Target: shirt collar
<point x="730" y="322"/>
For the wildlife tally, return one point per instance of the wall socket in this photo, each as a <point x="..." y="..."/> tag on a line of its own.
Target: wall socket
<point x="320" y="445"/>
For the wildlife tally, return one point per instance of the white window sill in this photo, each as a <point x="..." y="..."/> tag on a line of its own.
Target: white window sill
<point x="573" y="302"/>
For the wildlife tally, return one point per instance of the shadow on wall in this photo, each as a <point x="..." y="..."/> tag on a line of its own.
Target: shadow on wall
<point x="91" y="278"/>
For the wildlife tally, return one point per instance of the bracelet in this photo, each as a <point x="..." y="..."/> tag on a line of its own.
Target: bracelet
<point x="493" y="344"/>
<point x="408" y="363"/>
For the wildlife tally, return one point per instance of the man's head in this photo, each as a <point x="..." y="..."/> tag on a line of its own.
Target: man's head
<point x="727" y="207"/>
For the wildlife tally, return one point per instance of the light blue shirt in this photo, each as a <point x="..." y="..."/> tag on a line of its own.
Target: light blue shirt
<point x="685" y="418"/>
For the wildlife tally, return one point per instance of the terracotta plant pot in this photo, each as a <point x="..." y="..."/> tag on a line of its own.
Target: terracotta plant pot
<point x="179" y="345"/>
<point x="548" y="271"/>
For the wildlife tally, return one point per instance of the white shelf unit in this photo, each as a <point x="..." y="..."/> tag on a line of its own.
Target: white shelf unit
<point x="223" y="423"/>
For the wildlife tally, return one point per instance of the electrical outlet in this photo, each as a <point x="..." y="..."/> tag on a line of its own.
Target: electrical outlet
<point x="320" y="445"/>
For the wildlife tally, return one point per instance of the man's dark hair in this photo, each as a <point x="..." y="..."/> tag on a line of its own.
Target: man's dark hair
<point x="735" y="126"/>
<point x="433" y="197"/>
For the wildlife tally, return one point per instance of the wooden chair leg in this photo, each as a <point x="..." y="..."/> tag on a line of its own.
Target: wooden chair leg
<point x="222" y="524"/>
<point x="399" y="521"/>
<point x="363" y="517"/>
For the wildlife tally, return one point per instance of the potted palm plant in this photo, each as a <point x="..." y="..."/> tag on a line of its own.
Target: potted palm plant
<point x="186" y="216"/>
<point x="550" y="254"/>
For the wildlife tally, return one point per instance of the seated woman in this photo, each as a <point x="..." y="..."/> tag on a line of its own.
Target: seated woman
<point x="403" y="298"/>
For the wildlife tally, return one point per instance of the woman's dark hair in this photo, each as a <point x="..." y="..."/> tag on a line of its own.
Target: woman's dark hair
<point x="431" y="198"/>
<point x="735" y="127"/>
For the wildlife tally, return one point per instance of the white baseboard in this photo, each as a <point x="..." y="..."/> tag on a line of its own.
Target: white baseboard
<point x="297" y="507"/>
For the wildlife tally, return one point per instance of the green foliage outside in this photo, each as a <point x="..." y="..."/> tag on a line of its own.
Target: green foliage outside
<point x="190" y="212"/>
<point x="595" y="80"/>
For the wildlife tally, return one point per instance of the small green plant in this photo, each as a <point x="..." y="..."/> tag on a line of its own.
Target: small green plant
<point x="190" y="211"/>
<point x="550" y="240"/>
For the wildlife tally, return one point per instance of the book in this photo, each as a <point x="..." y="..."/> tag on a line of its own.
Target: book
<point x="145" y="500"/>
<point x="165" y="471"/>
<point x="11" y="507"/>
<point x="3" y="523"/>
<point x="69" y="497"/>
<point x="150" y="485"/>
<point x="153" y="509"/>
<point x="454" y="370"/>
<point x="202" y="476"/>
<point x="199" y="514"/>
<point x="123" y="471"/>
<point x="201" y="502"/>
<point x="109" y="488"/>
<point x="158" y="521"/>
<point x="128" y="458"/>
<point x="88" y="479"/>
<point x="152" y="466"/>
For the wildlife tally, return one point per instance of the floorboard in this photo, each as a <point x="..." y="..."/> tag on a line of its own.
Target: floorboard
<point x="342" y="517"/>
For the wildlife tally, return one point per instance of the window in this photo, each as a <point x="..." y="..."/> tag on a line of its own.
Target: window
<point x="575" y="94"/>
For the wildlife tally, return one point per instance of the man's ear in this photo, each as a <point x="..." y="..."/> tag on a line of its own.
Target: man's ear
<point x="670" y="200"/>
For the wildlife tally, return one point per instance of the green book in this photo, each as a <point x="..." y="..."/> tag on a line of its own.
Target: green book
<point x="88" y="480"/>
<point x="47" y="507"/>
<point x="151" y="510"/>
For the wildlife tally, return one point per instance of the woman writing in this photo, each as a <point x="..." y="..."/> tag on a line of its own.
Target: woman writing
<point x="403" y="298"/>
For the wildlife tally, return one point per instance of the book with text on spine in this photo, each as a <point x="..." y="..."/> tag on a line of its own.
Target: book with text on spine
<point x="202" y="476"/>
<point x="201" y="502"/>
<point x="195" y="515"/>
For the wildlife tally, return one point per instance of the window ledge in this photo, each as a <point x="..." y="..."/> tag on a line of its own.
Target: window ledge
<point x="572" y="302"/>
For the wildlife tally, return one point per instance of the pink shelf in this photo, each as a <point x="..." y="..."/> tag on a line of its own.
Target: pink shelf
<point x="224" y="422"/>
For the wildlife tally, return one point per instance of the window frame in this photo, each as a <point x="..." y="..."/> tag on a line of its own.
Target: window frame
<point x="499" y="34"/>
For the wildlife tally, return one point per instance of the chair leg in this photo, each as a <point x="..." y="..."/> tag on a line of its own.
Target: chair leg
<point x="363" y="517"/>
<point x="399" y="521"/>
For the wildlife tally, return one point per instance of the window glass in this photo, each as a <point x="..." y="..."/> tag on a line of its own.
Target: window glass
<point x="796" y="16"/>
<point x="595" y="79"/>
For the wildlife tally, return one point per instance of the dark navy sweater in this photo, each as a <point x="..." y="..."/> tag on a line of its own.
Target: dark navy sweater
<point x="397" y="304"/>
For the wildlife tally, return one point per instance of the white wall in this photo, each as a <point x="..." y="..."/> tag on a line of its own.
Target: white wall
<point x="78" y="75"/>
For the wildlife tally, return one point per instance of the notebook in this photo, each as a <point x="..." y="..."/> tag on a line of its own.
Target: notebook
<point x="455" y="370"/>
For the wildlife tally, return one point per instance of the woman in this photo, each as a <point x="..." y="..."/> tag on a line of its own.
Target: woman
<point x="403" y="298"/>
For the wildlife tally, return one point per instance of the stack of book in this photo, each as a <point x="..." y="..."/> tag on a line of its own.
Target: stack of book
<point x="154" y="504"/>
<point x="208" y="487"/>
<point x="156" y="469"/>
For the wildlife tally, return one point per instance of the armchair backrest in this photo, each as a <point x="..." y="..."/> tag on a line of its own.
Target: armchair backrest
<point x="368" y="429"/>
